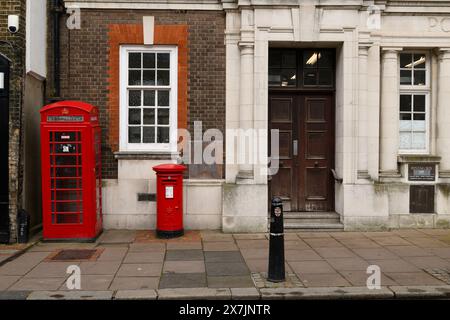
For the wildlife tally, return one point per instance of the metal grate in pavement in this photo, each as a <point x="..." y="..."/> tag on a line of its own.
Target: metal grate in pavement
<point x="441" y="274"/>
<point x="75" y="254"/>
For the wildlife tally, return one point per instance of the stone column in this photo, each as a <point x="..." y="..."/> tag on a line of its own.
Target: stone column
<point x="389" y="118"/>
<point x="443" y="113"/>
<point x="363" y="115"/>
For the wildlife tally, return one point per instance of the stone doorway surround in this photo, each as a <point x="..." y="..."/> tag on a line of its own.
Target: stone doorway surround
<point x="367" y="176"/>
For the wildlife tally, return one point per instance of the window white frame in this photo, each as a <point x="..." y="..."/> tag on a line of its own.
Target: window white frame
<point x="416" y="89"/>
<point x="124" y="145"/>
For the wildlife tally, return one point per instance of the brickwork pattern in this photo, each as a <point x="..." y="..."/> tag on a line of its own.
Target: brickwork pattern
<point x="84" y="66"/>
<point x="133" y="34"/>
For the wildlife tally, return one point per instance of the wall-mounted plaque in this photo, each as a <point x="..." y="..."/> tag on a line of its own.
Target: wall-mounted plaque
<point x="421" y="172"/>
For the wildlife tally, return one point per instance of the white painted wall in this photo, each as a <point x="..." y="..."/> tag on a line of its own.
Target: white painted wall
<point x="36" y="38"/>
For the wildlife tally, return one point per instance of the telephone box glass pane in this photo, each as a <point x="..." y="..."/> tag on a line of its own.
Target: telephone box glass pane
<point x="66" y="177"/>
<point x="67" y="218"/>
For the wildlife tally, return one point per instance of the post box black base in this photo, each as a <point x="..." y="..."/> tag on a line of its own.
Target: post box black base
<point x="169" y="234"/>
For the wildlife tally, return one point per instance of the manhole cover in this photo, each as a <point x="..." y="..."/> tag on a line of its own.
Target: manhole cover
<point x="441" y="274"/>
<point x="74" y="254"/>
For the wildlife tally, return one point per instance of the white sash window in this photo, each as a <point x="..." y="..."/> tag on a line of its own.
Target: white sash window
<point x="414" y="102"/>
<point x="148" y="98"/>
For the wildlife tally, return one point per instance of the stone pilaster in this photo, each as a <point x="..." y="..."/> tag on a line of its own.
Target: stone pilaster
<point x="246" y="99"/>
<point x="389" y="124"/>
<point x="443" y="113"/>
<point x="363" y="113"/>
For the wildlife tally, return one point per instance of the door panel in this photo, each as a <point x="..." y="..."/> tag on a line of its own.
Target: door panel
<point x="304" y="180"/>
<point x="283" y="184"/>
<point x="315" y="134"/>
<point x="4" y="143"/>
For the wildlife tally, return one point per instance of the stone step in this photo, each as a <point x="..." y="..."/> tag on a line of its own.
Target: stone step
<point x="311" y="215"/>
<point x="311" y="220"/>
<point x="310" y="226"/>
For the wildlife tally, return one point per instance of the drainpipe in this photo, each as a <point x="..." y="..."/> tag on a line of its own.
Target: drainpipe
<point x="56" y="11"/>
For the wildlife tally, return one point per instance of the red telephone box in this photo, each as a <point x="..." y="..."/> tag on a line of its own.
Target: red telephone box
<point x="71" y="171"/>
<point x="169" y="202"/>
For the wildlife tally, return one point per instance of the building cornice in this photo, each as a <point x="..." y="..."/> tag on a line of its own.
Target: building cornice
<point x="422" y="7"/>
<point x="150" y="4"/>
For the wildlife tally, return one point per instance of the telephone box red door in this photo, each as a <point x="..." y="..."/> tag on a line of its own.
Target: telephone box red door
<point x="71" y="171"/>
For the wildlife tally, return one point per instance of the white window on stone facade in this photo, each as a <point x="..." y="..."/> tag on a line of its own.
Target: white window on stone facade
<point x="148" y="98"/>
<point x="414" y="102"/>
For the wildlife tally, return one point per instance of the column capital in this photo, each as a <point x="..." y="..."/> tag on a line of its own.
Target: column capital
<point x="365" y="45"/>
<point x="363" y="49"/>
<point x="391" y="50"/>
<point x="444" y="53"/>
<point x="247" y="47"/>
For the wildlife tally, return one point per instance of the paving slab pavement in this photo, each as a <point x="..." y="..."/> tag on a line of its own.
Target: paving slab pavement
<point x="135" y="295"/>
<point x="194" y="293"/>
<point x="325" y="293"/>
<point x="70" y="295"/>
<point x="183" y="280"/>
<point x="137" y="260"/>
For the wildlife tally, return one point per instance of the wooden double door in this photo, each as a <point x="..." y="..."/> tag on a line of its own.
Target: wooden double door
<point x="305" y="121"/>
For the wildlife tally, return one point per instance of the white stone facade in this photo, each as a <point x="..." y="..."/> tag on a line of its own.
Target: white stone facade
<point x="374" y="193"/>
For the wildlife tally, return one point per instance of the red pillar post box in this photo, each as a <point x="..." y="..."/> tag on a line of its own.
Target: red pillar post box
<point x="169" y="200"/>
<point x="71" y="171"/>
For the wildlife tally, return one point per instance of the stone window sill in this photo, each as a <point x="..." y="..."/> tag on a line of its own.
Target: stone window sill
<point x="418" y="159"/>
<point x="139" y="155"/>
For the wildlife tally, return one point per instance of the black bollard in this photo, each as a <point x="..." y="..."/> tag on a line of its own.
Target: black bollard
<point x="276" y="242"/>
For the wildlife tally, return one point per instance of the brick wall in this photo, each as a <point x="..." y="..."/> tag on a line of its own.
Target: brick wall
<point x="13" y="47"/>
<point x="84" y="65"/>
